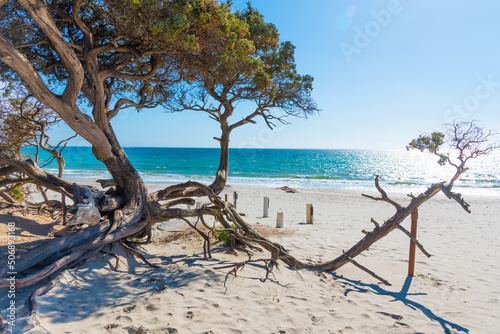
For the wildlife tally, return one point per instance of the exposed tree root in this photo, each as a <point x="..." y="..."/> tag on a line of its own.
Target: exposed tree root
<point x="270" y="264"/>
<point x="136" y="253"/>
<point x="368" y="271"/>
<point x="417" y="243"/>
<point x="84" y="244"/>
<point x="135" y="212"/>
<point x="5" y="328"/>
<point x="57" y="265"/>
<point x="38" y="292"/>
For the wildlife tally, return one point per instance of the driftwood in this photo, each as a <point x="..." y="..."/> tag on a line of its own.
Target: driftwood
<point x="137" y="211"/>
<point x="85" y="210"/>
<point x="38" y="292"/>
<point x="103" y="64"/>
<point x="288" y="189"/>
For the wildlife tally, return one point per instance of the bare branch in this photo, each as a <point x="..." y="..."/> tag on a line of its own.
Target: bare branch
<point x="377" y="225"/>
<point x="384" y="196"/>
<point x="187" y="201"/>
<point x="455" y="196"/>
<point x="419" y="245"/>
<point x="38" y="292"/>
<point x="368" y="271"/>
<point x="136" y="253"/>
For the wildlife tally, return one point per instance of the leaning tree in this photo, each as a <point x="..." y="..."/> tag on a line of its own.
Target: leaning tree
<point x="117" y="54"/>
<point x="254" y="70"/>
<point x="111" y="55"/>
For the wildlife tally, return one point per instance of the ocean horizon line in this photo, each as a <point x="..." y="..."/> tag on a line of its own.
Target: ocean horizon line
<point x="302" y="168"/>
<point x="260" y="148"/>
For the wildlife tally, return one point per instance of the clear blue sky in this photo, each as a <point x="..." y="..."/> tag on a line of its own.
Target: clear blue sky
<point x="384" y="71"/>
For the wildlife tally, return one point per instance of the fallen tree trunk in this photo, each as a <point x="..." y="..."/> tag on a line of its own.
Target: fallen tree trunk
<point x="96" y="237"/>
<point x="140" y="211"/>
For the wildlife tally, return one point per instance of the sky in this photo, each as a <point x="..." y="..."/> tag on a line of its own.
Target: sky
<point x="384" y="72"/>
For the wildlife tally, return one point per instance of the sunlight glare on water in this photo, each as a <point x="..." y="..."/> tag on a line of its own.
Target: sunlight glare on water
<point x="399" y="170"/>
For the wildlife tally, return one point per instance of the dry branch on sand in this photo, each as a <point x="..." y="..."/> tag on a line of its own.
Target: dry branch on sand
<point x="84" y="244"/>
<point x="288" y="189"/>
<point x="136" y="64"/>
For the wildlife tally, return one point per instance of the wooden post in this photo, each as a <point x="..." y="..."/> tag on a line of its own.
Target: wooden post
<point x="411" y="261"/>
<point x="279" y="219"/>
<point x="266" y="207"/>
<point x="226" y="197"/>
<point x="309" y="213"/>
<point x="235" y="198"/>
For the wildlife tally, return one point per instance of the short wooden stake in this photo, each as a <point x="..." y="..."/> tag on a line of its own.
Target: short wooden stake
<point x="411" y="261"/>
<point x="226" y="197"/>
<point x="279" y="220"/>
<point x="266" y="207"/>
<point x="309" y="213"/>
<point x="235" y="198"/>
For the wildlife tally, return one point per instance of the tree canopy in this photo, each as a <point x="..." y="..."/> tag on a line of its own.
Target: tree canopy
<point x="84" y="61"/>
<point x="251" y="66"/>
<point x="87" y="60"/>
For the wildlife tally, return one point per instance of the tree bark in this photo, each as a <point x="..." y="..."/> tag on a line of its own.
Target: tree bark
<point x="219" y="183"/>
<point x="222" y="172"/>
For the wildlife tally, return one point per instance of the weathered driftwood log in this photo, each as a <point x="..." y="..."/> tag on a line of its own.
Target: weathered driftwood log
<point x="139" y="211"/>
<point x="85" y="210"/>
<point x="106" y="183"/>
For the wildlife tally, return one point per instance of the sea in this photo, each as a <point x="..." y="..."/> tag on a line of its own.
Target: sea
<point x="399" y="171"/>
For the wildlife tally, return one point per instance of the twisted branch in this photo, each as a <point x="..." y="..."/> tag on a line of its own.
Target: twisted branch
<point x="384" y="196"/>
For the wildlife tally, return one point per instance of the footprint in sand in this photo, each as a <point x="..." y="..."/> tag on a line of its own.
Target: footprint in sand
<point x="124" y="318"/>
<point x="153" y="307"/>
<point x="393" y="316"/>
<point x="137" y="330"/>
<point x="315" y="320"/>
<point x="128" y="309"/>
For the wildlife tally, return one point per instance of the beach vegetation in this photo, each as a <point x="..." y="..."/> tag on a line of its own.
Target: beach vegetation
<point x="427" y="276"/>
<point x="252" y="70"/>
<point x="224" y="235"/>
<point x="86" y="61"/>
<point x="17" y="193"/>
<point x="460" y="142"/>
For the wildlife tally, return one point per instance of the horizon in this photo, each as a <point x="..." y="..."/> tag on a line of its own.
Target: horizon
<point x="385" y="72"/>
<point x="257" y="148"/>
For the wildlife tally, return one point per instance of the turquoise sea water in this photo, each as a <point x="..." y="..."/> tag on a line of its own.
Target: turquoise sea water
<point x="399" y="171"/>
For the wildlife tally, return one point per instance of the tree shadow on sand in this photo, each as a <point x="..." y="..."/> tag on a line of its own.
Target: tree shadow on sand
<point x="401" y="296"/>
<point x="93" y="289"/>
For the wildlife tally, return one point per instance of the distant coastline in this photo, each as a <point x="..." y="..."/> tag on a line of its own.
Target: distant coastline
<point x="400" y="171"/>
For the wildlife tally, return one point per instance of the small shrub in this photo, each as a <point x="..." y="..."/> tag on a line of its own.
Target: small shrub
<point x="225" y="236"/>
<point x="18" y="194"/>
<point x="428" y="276"/>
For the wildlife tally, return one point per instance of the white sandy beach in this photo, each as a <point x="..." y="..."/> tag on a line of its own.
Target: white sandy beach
<point x="455" y="291"/>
